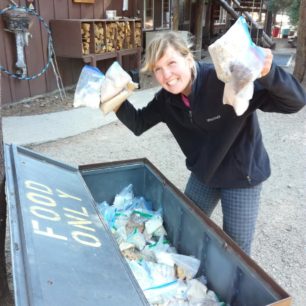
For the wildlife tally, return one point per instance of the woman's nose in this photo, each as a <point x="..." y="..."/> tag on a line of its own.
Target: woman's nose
<point x="166" y="73"/>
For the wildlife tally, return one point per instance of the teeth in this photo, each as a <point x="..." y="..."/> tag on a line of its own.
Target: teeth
<point x="172" y="82"/>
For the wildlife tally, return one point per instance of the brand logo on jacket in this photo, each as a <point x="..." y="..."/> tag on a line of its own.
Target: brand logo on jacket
<point x="213" y="118"/>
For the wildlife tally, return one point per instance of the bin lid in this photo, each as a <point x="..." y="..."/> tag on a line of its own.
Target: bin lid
<point x="62" y="252"/>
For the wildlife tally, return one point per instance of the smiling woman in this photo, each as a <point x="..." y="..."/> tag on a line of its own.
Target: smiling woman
<point x="224" y="151"/>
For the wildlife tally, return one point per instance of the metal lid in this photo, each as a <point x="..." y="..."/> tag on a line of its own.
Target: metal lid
<point x="62" y="252"/>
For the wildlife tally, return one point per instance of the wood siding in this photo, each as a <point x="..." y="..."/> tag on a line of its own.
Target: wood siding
<point x="13" y="90"/>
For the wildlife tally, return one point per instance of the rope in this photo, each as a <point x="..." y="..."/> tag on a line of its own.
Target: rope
<point x="45" y="68"/>
<point x="58" y="78"/>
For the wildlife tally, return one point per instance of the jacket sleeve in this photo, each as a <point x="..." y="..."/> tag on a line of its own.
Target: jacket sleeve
<point x="140" y="120"/>
<point x="279" y="91"/>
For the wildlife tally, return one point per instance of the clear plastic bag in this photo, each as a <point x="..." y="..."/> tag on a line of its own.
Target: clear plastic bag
<point x="116" y="88"/>
<point x="189" y="265"/>
<point x="124" y="198"/>
<point x="116" y="79"/>
<point x="238" y="62"/>
<point x="87" y="92"/>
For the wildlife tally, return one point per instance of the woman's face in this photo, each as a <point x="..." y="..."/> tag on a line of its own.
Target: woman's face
<point x="173" y="72"/>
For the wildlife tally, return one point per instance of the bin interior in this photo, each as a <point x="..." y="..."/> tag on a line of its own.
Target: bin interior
<point x="236" y="281"/>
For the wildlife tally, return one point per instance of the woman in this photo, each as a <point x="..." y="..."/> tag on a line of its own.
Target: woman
<point x="224" y="152"/>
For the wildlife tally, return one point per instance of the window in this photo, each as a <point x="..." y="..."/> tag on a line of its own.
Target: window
<point x="156" y="14"/>
<point x="148" y="12"/>
<point x="222" y="16"/>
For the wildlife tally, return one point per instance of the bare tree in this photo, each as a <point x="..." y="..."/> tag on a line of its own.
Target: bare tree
<point x="300" y="61"/>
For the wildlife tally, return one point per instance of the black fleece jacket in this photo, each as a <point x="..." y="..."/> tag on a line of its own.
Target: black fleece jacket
<point x="222" y="149"/>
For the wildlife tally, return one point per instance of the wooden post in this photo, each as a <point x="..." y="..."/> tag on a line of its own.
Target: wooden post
<point x="206" y="36"/>
<point x="176" y="14"/>
<point x="199" y="28"/>
<point x="268" y="23"/>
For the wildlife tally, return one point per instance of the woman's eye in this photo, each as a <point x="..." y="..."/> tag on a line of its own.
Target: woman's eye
<point x="172" y="63"/>
<point x="156" y="70"/>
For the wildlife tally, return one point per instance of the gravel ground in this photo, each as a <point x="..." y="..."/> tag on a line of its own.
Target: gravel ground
<point x="279" y="245"/>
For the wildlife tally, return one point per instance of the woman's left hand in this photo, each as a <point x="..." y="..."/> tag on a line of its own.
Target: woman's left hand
<point x="267" y="63"/>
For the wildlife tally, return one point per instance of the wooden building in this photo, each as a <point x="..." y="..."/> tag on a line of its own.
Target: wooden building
<point x="206" y="20"/>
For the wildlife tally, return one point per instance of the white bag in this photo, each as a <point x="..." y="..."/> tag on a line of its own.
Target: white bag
<point x="116" y="88"/>
<point x="238" y="62"/>
<point x="116" y="79"/>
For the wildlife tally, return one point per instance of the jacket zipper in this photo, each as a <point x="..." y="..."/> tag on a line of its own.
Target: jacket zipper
<point x="190" y="115"/>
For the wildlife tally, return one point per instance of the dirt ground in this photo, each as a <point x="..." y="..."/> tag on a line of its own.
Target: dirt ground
<point x="279" y="243"/>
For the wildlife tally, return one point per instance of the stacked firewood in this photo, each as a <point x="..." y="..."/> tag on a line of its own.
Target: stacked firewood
<point x="129" y="40"/>
<point x="99" y="38"/>
<point x="110" y="34"/>
<point x="137" y="34"/>
<point x="85" y="37"/>
<point x="124" y="35"/>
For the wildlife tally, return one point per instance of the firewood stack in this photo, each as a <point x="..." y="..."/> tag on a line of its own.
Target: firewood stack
<point x="85" y="31"/>
<point x="99" y="38"/>
<point x="123" y="35"/>
<point x="110" y="34"/>
<point x="129" y="41"/>
<point x="137" y="34"/>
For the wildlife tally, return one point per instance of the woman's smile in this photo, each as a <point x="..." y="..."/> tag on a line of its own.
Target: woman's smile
<point x="173" y="72"/>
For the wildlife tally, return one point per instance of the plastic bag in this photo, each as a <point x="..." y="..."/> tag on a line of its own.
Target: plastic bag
<point x="87" y="92"/>
<point x="238" y="62"/>
<point x="124" y="198"/>
<point x="188" y="265"/>
<point x="116" y="87"/>
<point x="115" y="81"/>
<point x="196" y="291"/>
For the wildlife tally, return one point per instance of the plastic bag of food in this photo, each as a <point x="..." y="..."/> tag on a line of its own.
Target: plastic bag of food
<point x="117" y="100"/>
<point x="187" y="266"/>
<point x="116" y="79"/>
<point x="116" y="87"/>
<point x="87" y="92"/>
<point x="238" y="62"/>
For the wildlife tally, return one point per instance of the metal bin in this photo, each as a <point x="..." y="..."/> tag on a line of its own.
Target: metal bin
<point x="64" y="254"/>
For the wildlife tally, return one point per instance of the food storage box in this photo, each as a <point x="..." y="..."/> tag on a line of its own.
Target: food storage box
<point x="64" y="254"/>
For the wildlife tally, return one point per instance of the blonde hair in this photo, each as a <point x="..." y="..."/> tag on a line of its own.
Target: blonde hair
<point x="158" y="45"/>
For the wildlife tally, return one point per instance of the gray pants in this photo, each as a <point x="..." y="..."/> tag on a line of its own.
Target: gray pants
<point x="239" y="208"/>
